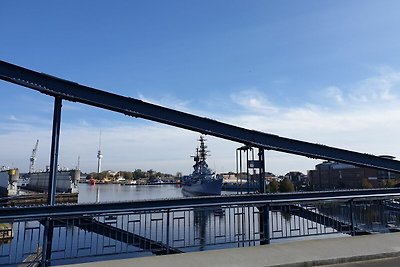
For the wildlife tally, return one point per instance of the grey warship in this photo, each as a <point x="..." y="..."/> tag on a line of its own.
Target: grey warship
<point x="203" y="181"/>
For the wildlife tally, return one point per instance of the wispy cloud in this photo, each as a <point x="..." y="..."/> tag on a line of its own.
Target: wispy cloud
<point x="382" y="87"/>
<point x="12" y="118"/>
<point x="253" y="100"/>
<point x="364" y="116"/>
<point x="334" y="93"/>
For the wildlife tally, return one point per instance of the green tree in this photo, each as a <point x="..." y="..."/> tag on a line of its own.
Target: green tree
<point x="273" y="186"/>
<point x="286" y="186"/>
<point x="388" y="183"/>
<point x="366" y="184"/>
<point x="137" y="174"/>
<point x="100" y="176"/>
<point x="391" y="183"/>
<point x="127" y="175"/>
<point x="150" y="174"/>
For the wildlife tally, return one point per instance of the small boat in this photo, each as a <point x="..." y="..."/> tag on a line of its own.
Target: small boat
<point x="92" y="181"/>
<point x="203" y="181"/>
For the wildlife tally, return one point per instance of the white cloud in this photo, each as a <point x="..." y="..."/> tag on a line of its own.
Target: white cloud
<point x="334" y="93"/>
<point x="12" y="118"/>
<point x="367" y="123"/>
<point x="383" y="87"/>
<point x="253" y="100"/>
<point x="84" y="123"/>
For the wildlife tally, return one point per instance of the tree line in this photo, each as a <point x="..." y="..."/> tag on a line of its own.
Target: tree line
<point x="283" y="186"/>
<point x="137" y="174"/>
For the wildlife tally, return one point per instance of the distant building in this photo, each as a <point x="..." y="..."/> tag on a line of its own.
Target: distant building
<point x="229" y="177"/>
<point x="232" y="177"/>
<point x="299" y="180"/>
<point x="332" y="175"/>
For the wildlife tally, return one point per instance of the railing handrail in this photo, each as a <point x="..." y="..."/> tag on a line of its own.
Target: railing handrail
<point x="14" y="213"/>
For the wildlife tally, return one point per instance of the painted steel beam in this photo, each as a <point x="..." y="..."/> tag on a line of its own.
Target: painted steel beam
<point x="55" y="140"/>
<point x="75" y="92"/>
<point x="63" y="211"/>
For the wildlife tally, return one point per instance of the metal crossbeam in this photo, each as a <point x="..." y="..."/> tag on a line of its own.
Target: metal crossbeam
<point x="13" y="213"/>
<point x="72" y="91"/>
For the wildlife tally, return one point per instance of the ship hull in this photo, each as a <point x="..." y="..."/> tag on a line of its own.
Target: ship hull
<point x="67" y="181"/>
<point x="203" y="189"/>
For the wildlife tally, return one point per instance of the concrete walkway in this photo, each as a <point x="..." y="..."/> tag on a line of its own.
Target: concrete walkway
<point x="299" y="253"/>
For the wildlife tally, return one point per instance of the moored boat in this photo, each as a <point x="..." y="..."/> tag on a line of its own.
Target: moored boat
<point x="203" y="181"/>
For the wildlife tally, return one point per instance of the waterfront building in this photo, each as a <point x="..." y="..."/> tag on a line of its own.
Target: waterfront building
<point x="335" y="175"/>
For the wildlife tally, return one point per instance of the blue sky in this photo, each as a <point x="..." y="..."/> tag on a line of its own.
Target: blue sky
<point x="321" y="71"/>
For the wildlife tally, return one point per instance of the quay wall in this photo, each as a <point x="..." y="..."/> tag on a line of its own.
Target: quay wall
<point x="8" y="182"/>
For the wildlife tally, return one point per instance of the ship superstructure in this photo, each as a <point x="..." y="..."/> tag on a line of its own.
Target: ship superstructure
<point x="203" y="181"/>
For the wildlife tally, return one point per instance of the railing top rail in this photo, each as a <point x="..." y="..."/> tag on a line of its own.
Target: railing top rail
<point x="13" y="213"/>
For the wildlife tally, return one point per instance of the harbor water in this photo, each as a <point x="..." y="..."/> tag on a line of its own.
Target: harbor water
<point x="116" y="192"/>
<point x="189" y="229"/>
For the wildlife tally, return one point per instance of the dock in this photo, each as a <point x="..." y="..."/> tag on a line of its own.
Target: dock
<point x="37" y="199"/>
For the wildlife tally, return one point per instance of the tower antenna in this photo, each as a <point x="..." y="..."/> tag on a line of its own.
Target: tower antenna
<point x="79" y="162"/>
<point x="99" y="156"/>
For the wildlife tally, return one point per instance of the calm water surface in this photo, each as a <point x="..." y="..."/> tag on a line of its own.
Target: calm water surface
<point x="201" y="229"/>
<point x="115" y="192"/>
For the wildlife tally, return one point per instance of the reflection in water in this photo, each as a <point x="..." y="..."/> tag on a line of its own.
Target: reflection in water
<point x="286" y="215"/>
<point x="207" y="222"/>
<point x="186" y="229"/>
<point x="369" y="215"/>
<point x="200" y="221"/>
<point x="117" y="192"/>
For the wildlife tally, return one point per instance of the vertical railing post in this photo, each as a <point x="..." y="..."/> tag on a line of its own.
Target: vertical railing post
<point x="261" y="160"/>
<point x="167" y="241"/>
<point x="247" y="171"/>
<point x="264" y="215"/>
<point x="264" y="225"/>
<point x="48" y="225"/>
<point x="352" y="226"/>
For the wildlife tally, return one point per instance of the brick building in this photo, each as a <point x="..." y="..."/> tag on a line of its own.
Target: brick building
<point x="332" y="175"/>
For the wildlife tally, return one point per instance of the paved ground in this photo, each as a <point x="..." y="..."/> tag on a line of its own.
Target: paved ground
<point x="386" y="262"/>
<point x="317" y="252"/>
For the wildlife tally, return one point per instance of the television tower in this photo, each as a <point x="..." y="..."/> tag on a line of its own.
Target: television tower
<point x="99" y="156"/>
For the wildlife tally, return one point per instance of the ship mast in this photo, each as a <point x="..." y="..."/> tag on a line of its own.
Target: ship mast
<point x="203" y="149"/>
<point x="196" y="159"/>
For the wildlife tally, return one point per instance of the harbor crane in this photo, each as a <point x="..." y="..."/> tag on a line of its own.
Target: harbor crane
<point x="33" y="158"/>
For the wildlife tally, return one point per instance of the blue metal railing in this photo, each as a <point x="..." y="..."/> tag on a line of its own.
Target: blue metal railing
<point x="132" y="229"/>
